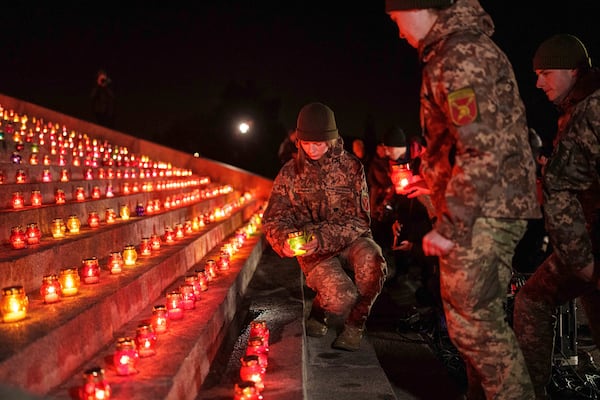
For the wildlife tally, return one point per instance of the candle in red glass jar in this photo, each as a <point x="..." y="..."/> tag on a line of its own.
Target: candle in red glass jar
<point x="155" y="242"/>
<point x="64" y="175"/>
<point x="46" y="175"/>
<point x="189" y="299"/>
<point x="145" y="339"/>
<point x="110" y="217"/>
<point x="90" y="270"/>
<point x="174" y="305"/>
<point x="21" y="176"/>
<point x="246" y="390"/>
<point x="50" y="289"/>
<point x="17" y="237"/>
<point x="95" y="386"/>
<point x="145" y="247"/>
<point x="160" y="318"/>
<point x="115" y="262"/>
<point x="202" y="279"/>
<point x="93" y="219"/>
<point x="126" y="356"/>
<point x="36" y="198"/>
<point x="33" y="234"/>
<point x="259" y="328"/>
<point x="224" y="260"/>
<point x="179" y="233"/>
<point x="79" y="193"/>
<point x="96" y="192"/>
<point x="211" y="269"/>
<point x="193" y="280"/>
<point x="169" y="235"/>
<point x="17" y="200"/>
<point x="251" y="370"/>
<point x="60" y="196"/>
<point x="256" y="346"/>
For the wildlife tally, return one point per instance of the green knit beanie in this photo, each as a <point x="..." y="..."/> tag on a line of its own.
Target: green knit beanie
<point x="392" y="5"/>
<point x="394" y="137"/>
<point x="316" y="123"/>
<point x="561" y="51"/>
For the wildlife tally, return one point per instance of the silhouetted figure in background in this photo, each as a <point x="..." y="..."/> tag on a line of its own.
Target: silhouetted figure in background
<point x="287" y="148"/>
<point x="103" y="100"/>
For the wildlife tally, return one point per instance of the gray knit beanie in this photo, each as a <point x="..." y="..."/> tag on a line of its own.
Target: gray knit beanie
<point x="391" y="5"/>
<point x="316" y="123"/>
<point x="561" y="51"/>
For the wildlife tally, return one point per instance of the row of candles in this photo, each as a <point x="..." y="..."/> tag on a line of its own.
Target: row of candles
<point x="79" y="195"/>
<point x="254" y="363"/>
<point x="130" y="349"/>
<point x="21" y="237"/>
<point x="14" y="302"/>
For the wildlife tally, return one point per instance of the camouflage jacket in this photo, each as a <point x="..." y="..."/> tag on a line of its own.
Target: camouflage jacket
<point x="478" y="161"/>
<point x="329" y="199"/>
<point x="571" y="177"/>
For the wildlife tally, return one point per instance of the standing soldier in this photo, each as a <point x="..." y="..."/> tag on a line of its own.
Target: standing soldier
<point x="481" y="173"/>
<point x="322" y="198"/>
<point x="571" y="190"/>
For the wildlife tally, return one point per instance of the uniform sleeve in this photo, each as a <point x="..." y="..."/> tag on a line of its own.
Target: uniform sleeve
<point x="278" y="218"/>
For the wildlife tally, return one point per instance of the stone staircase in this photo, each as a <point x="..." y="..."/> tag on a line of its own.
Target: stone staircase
<point x="210" y="204"/>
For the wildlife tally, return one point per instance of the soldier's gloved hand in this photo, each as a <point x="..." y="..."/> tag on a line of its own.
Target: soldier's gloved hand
<point x="310" y="246"/>
<point x="435" y="244"/>
<point x="417" y="187"/>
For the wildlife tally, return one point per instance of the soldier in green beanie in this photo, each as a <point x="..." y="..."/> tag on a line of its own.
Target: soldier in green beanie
<point x="321" y="196"/>
<point x="481" y="173"/>
<point x="571" y="203"/>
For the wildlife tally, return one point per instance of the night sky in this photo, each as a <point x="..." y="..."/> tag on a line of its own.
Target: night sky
<point x="171" y="62"/>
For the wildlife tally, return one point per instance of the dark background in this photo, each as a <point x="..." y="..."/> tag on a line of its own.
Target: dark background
<point x="185" y="74"/>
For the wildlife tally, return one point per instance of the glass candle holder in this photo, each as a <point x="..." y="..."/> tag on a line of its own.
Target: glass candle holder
<point x="211" y="269"/>
<point x="256" y="346"/>
<point x="160" y="318"/>
<point x="34" y="159"/>
<point x="401" y="176"/>
<point x="96" y="192"/>
<point x="124" y="212"/>
<point x="145" y="340"/>
<point x="58" y="228"/>
<point x="110" y="216"/>
<point x="17" y="201"/>
<point x="60" y="197"/>
<point x="145" y="247"/>
<point x="33" y="234"/>
<point x="90" y="270"/>
<point x="129" y="255"/>
<point x="155" y="242"/>
<point x="202" y="279"/>
<point x="36" y="198"/>
<point x="64" y="175"/>
<point x="88" y="175"/>
<point x="259" y="328"/>
<point x="192" y="279"/>
<point x="14" y="304"/>
<point x="21" y="176"/>
<point x="179" y="232"/>
<point x="79" y="193"/>
<point x="246" y="390"/>
<point x="69" y="281"/>
<point x="224" y="260"/>
<point x="140" y="210"/>
<point x="296" y="240"/>
<point x="115" y="262"/>
<point x="46" y="175"/>
<point x="126" y="356"/>
<point x="95" y="386"/>
<point x="189" y="299"/>
<point x="93" y="220"/>
<point x="50" y="289"/>
<point x="251" y="370"/>
<point x="169" y="235"/>
<point x="174" y="305"/>
<point x="17" y="237"/>
<point x="73" y="224"/>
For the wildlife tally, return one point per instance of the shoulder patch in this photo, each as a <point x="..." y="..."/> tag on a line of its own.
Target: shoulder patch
<point x="463" y="106"/>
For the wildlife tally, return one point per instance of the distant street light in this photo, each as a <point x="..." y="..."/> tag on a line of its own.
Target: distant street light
<point x="244" y="127"/>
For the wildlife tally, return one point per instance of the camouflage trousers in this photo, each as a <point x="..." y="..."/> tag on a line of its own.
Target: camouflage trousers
<point x="348" y="284"/>
<point x="474" y="280"/>
<point x="551" y="285"/>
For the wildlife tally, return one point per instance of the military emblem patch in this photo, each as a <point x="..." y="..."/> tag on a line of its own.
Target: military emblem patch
<point x="463" y="106"/>
<point x="364" y="200"/>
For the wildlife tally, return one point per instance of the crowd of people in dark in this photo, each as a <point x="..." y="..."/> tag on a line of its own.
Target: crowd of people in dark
<point x="469" y="201"/>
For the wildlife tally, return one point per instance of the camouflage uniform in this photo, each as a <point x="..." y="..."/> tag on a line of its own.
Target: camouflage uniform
<point x="571" y="209"/>
<point x="481" y="172"/>
<point x="329" y="199"/>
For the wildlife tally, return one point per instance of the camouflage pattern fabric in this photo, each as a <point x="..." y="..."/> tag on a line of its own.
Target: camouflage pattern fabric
<point x="329" y="199"/>
<point x="480" y="169"/>
<point x="473" y="287"/>
<point x="572" y="217"/>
